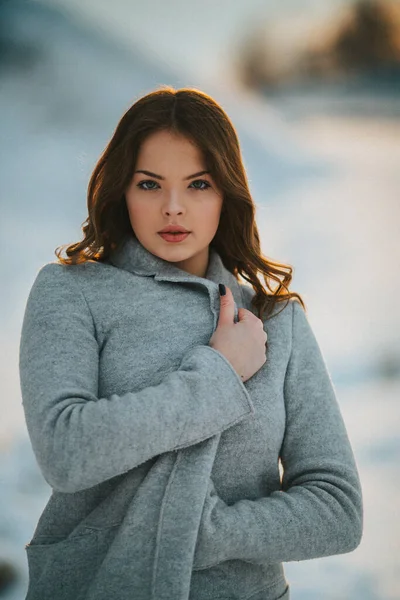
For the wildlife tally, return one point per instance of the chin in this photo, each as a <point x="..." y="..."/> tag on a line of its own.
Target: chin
<point x="173" y="250"/>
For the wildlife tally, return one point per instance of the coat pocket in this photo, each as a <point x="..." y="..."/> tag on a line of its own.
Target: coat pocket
<point x="64" y="569"/>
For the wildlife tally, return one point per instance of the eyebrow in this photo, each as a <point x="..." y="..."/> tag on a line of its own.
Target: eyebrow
<point x="161" y="177"/>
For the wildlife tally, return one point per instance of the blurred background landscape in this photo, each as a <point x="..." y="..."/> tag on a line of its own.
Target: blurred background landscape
<point x="313" y="90"/>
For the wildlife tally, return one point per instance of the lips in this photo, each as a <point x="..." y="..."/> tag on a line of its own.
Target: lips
<point x="174" y="237"/>
<point x="174" y="229"/>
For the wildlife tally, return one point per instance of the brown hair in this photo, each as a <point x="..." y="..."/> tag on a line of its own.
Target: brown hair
<point x="197" y="116"/>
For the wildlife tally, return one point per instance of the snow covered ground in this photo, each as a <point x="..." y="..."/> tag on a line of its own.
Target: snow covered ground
<point x="327" y="193"/>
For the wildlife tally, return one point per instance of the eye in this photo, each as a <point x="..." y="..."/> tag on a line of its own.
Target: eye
<point x="139" y="185"/>
<point x="201" y="181"/>
<point x="147" y="181"/>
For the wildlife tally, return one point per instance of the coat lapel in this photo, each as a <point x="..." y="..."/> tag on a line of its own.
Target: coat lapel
<point x="132" y="256"/>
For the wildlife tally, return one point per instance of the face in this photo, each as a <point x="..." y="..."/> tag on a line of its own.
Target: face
<point x="173" y="192"/>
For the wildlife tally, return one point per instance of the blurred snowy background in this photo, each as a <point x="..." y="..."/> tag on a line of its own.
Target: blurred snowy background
<point x="313" y="90"/>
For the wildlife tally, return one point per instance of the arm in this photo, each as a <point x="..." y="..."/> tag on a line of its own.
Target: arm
<point x="318" y="512"/>
<point x="79" y="439"/>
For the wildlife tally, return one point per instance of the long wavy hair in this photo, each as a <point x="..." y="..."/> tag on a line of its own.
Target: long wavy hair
<point x="195" y="115"/>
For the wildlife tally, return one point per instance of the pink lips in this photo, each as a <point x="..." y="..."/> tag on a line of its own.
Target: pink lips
<point x="174" y="237"/>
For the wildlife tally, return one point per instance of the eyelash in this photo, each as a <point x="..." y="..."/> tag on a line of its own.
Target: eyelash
<point x="139" y="185"/>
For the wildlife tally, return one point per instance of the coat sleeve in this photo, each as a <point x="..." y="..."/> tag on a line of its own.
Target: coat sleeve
<point x="319" y="510"/>
<point x="80" y="439"/>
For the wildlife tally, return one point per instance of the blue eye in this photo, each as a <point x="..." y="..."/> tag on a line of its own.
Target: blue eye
<point x="201" y="181"/>
<point x="146" y="181"/>
<point x="139" y="185"/>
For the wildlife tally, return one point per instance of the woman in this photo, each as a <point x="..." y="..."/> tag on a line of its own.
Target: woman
<point x="156" y="410"/>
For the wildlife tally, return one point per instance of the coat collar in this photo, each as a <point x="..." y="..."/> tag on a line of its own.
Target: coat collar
<point x="132" y="256"/>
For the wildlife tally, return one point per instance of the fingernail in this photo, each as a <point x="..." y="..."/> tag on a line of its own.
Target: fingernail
<point x="222" y="289"/>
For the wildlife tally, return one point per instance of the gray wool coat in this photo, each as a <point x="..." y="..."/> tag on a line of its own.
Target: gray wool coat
<point x="163" y="464"/>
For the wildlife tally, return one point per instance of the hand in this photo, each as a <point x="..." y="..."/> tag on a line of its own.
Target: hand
<point x="242" y="343"/>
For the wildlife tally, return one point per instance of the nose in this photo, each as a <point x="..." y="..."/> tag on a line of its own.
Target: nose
<point x="173" y="205"/>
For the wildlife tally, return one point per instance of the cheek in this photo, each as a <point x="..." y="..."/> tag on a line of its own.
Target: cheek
<point x="138" y="211"/>
<point x="214" y="212"/>
<point x="208" y="220"/>
<point x="211" y="206"/>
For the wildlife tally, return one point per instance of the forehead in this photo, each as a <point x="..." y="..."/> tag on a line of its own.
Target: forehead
<point x="162" y="145"/>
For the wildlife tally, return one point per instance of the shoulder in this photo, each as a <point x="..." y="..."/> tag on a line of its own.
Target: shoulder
<point x="56" y="298"/>
<point x="56" y="283"/>
<point x="56" y="273"/>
